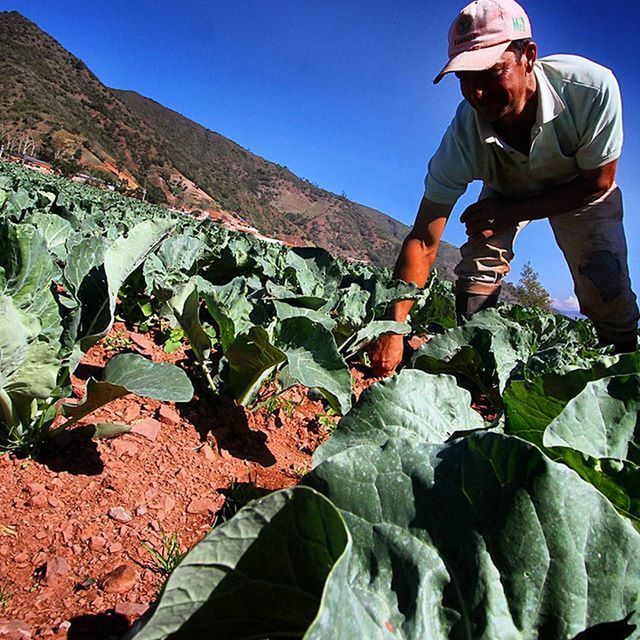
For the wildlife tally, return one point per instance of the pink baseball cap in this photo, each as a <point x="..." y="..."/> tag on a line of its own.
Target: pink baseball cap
<point x="482" y="32"/>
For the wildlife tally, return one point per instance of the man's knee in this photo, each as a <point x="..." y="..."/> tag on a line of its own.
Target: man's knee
<point x="603" y="270"/>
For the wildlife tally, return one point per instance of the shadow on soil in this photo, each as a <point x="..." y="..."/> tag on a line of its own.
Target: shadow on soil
<point x="101" y="626"/>
<point x="73" y="451"/>
<point x="227" y="422"/>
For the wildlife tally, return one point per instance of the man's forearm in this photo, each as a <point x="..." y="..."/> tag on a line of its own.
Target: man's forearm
<point x="413" y="265"/>
<point x="563" y="198"/>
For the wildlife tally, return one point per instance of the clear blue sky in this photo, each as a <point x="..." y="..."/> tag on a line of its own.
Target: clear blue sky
<point x="339" y="91"/>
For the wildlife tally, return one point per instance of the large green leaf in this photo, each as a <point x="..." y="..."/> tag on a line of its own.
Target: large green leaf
<point x="602" y="421"/>
<point x="83" y="255"/>
<point x="412" y="404"/>
<point x="488" y="350"/>
<point x="173" y="264"/>
<point x="131" y="373"/>
<point x="314" y="361"/>
<point x="438" y="308"/>
<point x="251" y="358"/>
<point x="259" y="575"/>
<point x="185" y="307"/>
<point x="27" y="273"/>
<point x="55" y="231"/>
<point x="481" y="538"/>
<point x="229" y="307"/>
<point x="278" y="292"/>
<point x="618" y="480"/>
<point x="316" y="271"/>
<point x="284" y="311"/>
<point x="352" y="310"/>
<point x="17" y="331"/>
<point x="120" y="260"/>
<point x="531" y="406"/>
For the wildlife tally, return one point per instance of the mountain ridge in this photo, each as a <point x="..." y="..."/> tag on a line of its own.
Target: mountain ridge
<point x="52" y="97"/>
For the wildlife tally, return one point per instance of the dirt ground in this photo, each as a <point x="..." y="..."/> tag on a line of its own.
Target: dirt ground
<point x="80" y="521"/>
<point x="77" y="522"/>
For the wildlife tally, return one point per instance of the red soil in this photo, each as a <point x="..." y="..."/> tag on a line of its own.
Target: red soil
<point x="86" y="507"/>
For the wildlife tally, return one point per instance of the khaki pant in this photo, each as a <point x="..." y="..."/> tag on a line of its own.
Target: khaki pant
<point x="593" y="243"/>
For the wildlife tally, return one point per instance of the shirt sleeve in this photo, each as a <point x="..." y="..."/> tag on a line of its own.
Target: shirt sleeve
<point x="601" y="142"/>
<point x="450" y="170"/>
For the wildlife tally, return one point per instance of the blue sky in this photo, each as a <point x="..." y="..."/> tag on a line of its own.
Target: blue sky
<point x="339" y="91"/>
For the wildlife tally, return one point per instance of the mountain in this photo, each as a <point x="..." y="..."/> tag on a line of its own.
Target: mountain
<point x="53" y="106"/>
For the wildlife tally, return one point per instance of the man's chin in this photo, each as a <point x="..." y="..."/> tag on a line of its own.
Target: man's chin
<point x="495" y="114"/>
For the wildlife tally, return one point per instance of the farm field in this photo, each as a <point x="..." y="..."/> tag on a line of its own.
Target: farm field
<point x="158" y="373"/>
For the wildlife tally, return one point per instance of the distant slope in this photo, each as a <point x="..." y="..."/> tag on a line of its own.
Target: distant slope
<point x="51" y="96"/>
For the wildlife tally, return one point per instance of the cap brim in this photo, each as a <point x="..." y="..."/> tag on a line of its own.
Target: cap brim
<point x="475" y="60"/>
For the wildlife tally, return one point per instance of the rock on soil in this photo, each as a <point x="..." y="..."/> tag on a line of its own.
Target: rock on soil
<point x="120" y="514"/>
<point x="148" y="428"/>
<point x="121" y="580"/>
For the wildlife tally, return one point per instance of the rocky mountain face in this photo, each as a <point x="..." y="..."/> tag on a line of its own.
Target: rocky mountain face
<point x="53" y="105"/>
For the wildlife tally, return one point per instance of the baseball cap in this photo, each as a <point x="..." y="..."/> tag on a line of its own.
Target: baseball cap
<point x="482" y="32"/>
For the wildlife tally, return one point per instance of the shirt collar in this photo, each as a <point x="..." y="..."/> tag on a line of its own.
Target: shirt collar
<point x="550" y="106"/>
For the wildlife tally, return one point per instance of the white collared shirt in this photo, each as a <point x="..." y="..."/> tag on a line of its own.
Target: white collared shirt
<point x="578" y="126"/>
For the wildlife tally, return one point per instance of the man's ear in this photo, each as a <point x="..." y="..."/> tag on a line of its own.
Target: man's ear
<point x="531" y="55"/>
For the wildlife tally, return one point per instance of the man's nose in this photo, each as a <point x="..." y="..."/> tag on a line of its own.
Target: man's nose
<point x="474" y="89"/>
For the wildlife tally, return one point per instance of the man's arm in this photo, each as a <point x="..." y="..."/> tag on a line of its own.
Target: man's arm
<point x="487" y="217"/>
<point x="414" y="263"/>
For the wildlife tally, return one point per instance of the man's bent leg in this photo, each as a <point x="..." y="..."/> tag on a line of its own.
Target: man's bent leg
<point x="480" y="272"/>
<point x="593" y="242"/>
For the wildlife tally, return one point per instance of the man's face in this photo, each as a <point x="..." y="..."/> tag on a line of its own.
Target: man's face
<point x="496" y="92"/>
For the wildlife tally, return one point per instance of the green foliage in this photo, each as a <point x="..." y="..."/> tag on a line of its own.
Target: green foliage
<point x="5" y="596"/>
<point x="169" y="557"/>
<point x="529" y="291"/>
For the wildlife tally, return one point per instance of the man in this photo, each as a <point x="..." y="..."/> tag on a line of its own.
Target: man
<point x="544" y="135"/>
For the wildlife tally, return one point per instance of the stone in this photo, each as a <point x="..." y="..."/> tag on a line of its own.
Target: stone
<point x="67" y="533"/>
<point x="148" y="428"/>
<point x="207" y="452"/>
<point x="182" y="474"/>
<point x="141" y="510"/>
<point x="97" y="542"/>
<point x="125" y="448"/>
<point x="143" y="343"/>
<point x="205" y="505"/>
<point x="39" y="500"/>
<point x="131" y="609"/>
<point x="131" y="412"/>
<point x="15" y="630"/>
<point x="56" y="568"/>
<point x="115" y="547"/>
<point x="35" y="488"/>
<point x="21" y="557"/>
<point x="169" y="415"/>
<point x="168" y="504"/>
<point x="119" y="514"/>
<point x="121" y="580"/>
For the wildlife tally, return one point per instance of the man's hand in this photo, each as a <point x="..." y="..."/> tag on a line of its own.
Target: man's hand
<point x="386" y="354"/>
<point x="486" y="218"/>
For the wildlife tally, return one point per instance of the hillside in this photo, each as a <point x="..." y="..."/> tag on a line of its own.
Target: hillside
<point x="51" y="98"/>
